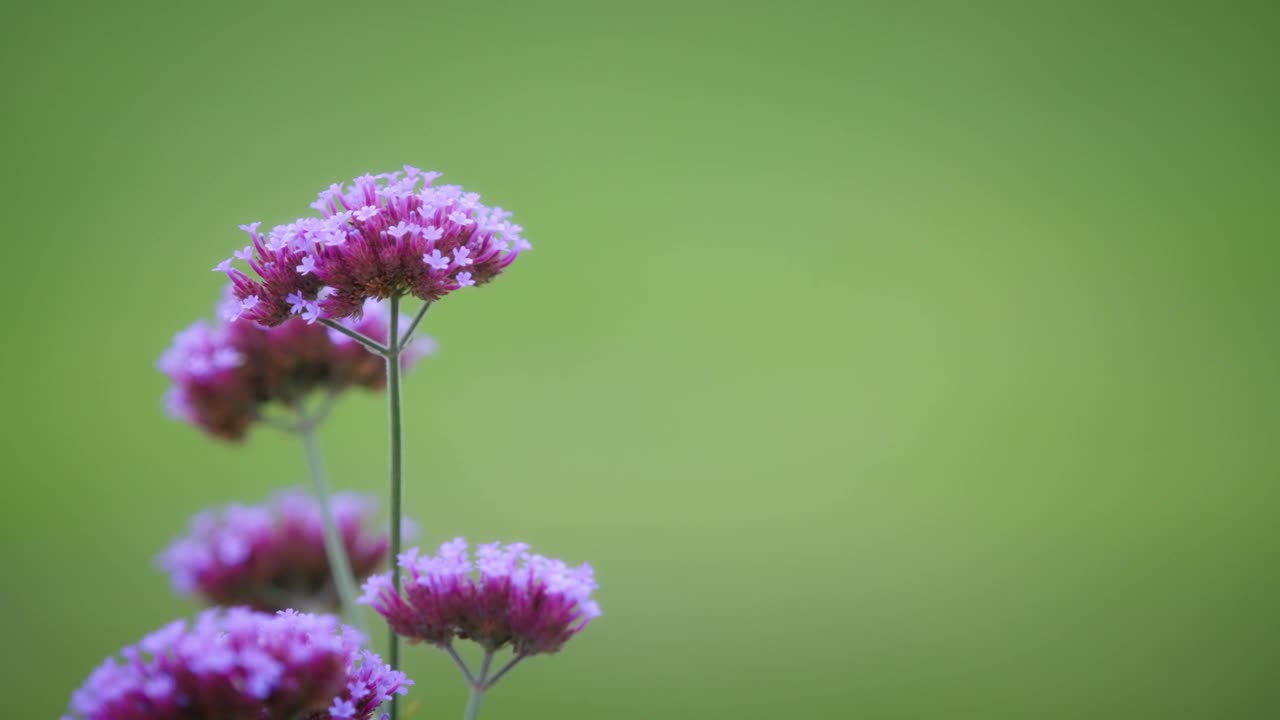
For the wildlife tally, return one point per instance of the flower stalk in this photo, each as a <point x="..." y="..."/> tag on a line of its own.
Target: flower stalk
<point x="482" y="683"/>
<point x="369" y="343"/>
<point x="479" y="687"/>
<point x="344" y="580"/>
<point x="493" y="680"/>
<point x="391" y="352"/>
<point x="396" y="452"/>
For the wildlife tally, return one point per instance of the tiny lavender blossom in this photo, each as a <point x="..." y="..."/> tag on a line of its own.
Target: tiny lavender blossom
<point x="386" y="236"/>
<point x="241" y="664"/>
<point x="505" y="595"/>
<point x="272" y="557"/>
<point x="225" y="373"/>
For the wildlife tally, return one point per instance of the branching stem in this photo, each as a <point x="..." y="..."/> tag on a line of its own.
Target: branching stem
<point x="503" y="671"/>
<point x="462" y="665"/>
<point x="374" y="346"/>
<point x="478" y="688"/>
<point x="408" y="334"/>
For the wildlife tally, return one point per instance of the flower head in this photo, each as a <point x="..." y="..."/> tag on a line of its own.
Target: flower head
<point x="502" y="594"/>
<point x="225" y="373"/>
<point x="272" y="556"/>
<point x="383" y="236"/>
<point x="241" y="664"/>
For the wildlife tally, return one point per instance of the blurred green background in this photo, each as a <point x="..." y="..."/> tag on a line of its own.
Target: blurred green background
<point x="888" y="360"/>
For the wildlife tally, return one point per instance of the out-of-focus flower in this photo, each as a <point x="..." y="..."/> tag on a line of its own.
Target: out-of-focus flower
<point x="241" y="664"/>
<point x="272" y="557"/>
<point x="224" y="373"/>
<point x="502" y="595"/>
<point x="385" y="236"/>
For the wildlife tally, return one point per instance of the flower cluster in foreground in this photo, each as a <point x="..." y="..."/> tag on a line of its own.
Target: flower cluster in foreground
<point x="385" y="236"/>
<point x="243" y="665"/>
<point x="502" y="595"/>
<point x="224" y="373"/>
<point x="303" y="315"/>
<point x="272" y="556"/>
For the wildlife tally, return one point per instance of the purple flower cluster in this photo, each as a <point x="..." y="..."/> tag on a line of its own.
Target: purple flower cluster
<point x="387" y="235"/>
<point x="224" y="373"/>
<point x="244" y="665"/>
<point x="504" y="595"/>
<point x="272" y="557"/>
<point x="303" y="315"/>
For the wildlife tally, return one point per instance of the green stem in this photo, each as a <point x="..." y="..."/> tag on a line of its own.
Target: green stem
<point x="339" y="564"/>
<point x="477" y="690"/>
<point x="408" y="334"/>
<point x="493" y="680"/>
<point x="396" y="458"/>
<point x="372" y="345"/>
<point x="457" y="660"/>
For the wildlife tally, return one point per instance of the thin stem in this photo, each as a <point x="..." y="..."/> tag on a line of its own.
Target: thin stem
<point x="339" y="564"/>
<point x="505" y="669"/>
<point x="462" y="665"/>
<point x="373" y="345"/>
<point x="422" y="312"/>
<point x="392" y="355"/>
<point x="477" y="690"/>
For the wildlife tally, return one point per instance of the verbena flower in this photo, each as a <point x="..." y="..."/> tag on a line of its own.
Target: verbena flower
<point x="224" y="373"/>
<point x="272" y="556"/>
<point x="244" y="665"/>
<point x="384" y="236"/>
<point x="502" y="595"/>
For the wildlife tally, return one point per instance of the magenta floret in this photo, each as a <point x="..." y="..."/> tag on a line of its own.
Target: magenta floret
<point x="241" y="664"/>
<point x="385" y="236"/>
<point x="503" y="595"/>
<point x="272" y="556"/>
<point x="224" y="374"/>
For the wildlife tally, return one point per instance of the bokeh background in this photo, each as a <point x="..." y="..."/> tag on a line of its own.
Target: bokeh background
<point x="888" y="360"/>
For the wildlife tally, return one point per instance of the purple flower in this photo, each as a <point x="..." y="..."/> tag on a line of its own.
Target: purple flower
<point x="311" y="313"/>
<point x="224" y="374"/>
<point x="382" y="237"/>
<point x="272" y="556"/>
<point x="246" y="304"/>
<point x="502" y="595"/>
<point x="400" y="229"/>
<point x="241" y="664"/>
<point x="298" y="305"/>
<point x="435" y="260"/>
